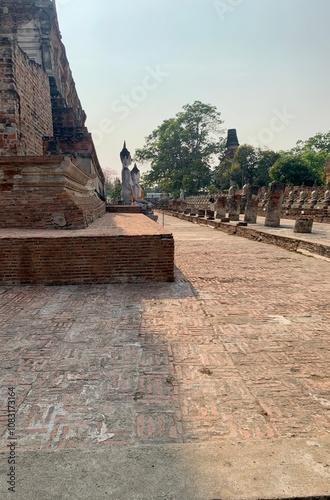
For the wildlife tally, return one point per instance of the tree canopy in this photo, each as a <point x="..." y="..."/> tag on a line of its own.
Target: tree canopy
<point x="182" y="149"/>
<point x="319" y="142"/>
<point x="314" y="153"/>
<point x="248" y="164"/>
<point x="292" y="170"/>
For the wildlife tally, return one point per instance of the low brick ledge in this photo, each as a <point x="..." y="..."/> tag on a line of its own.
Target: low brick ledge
<point x="289" y="243"/>
<point x="114" y="249"/>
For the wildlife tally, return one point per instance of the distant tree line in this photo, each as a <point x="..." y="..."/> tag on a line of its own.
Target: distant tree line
<point x="189" y="152"/>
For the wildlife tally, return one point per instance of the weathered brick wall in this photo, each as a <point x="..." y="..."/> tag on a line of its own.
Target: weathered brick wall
<point x="74" y="260"/>
<point x="25" y="112"/>
<point x="34" y="25"/>
<point x="46" y="192"/>
<point x="9" y="102"/>
<point x="56" y="209"/>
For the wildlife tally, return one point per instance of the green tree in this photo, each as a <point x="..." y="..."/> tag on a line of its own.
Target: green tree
<point x="316" y="160"/>
<point x="266" y="159"/>
<point x="110" y="176"/>
<point x="246" y="160"/>
<point x="319" y="142"/>
<point x="249" y="164"/>
<point x="222" y="174"/>
<point x="314" y="152"/>
<point x="292" y="170"/>
<point x="116" y="191"/>
<point x="182" y="149"/>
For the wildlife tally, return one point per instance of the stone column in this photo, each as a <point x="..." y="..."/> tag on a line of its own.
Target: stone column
<point x="251" y="210"/>
<point x="234" y="207"/>
<point x="174" y="206"/>
<point x="183" y="205"/>
<point x="220" y="207"/>
<point x="209" y="214"/>
<point x="273" y="211"/>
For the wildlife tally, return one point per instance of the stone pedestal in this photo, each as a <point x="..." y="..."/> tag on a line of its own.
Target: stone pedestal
<point x="234" y="206"/>
<point x="201" y="213"/>
<point x="210" y="214"/>
<point x="220" y="207"/>
<point x="303" y="225"/>
<point x="251" y="210"/>
<point x="274" y="206"/>
<point x="244" y="201"/>
<point x="182" y="205"/>
<point x="174" y="206"/>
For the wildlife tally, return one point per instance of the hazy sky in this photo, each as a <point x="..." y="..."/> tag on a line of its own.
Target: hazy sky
<point x="263" y="63"/>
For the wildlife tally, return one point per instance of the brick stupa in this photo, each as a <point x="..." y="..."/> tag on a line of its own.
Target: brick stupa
<point x="50" y="176"/>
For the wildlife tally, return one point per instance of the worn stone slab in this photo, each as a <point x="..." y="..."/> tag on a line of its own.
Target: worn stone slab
<point x="232" y="471"/>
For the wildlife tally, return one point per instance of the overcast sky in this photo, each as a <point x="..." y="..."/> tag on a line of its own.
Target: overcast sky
<point x="263" y="63"/>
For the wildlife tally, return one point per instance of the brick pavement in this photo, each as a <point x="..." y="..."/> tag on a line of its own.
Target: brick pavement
<point x="236" y="349"/>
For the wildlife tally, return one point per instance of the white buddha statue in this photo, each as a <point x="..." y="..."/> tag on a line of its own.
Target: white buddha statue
<point x="126" y="178"/>
<point x="136" y="188"/>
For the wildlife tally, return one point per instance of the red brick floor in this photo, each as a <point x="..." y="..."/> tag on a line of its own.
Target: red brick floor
<point x="237" y="348"/>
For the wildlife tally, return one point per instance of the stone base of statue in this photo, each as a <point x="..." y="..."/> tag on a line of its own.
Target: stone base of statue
<point x="234" y="206"/>
<point x="273" y="212"/>
<point x="221" y="207"/>
<point x="243" y="204"/>
<point x="251" y="210"/>
<point x="210" y="214"/>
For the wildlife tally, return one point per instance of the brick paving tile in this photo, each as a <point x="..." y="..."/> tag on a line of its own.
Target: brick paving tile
<point x="236" y="349"/>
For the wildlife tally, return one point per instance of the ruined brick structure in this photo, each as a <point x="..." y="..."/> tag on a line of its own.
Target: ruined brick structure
<point x="232" y="143"/>
<point x="40" y="112"/>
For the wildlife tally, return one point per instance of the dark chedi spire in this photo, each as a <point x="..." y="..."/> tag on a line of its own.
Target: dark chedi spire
<point x="232" y="143"/>
<point x="232" y="140"/>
